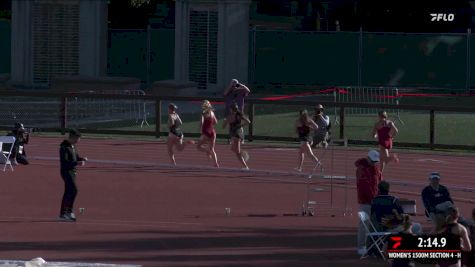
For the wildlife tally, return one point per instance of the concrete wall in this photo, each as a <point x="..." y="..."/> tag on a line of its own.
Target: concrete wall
<point x="233" y="39"/>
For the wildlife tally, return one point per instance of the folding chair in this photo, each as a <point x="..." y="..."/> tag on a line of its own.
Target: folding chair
<point x="9" y="142"/>
<point x="377" y="238"/>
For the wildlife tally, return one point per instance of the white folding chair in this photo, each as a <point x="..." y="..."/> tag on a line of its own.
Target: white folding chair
<point x="377" y="238"/>
<point x="8" y="142"/>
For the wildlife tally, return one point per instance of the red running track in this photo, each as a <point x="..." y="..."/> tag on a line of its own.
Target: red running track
<point x="140" y="211"/>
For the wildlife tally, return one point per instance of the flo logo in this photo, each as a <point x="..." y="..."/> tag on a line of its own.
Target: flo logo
<point x="397" y="241"/>
<point x="442" y="17"/>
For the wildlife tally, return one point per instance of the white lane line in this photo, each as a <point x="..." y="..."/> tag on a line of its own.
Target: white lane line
<point x="431" y="160"/>
<point x="161" y="224"/>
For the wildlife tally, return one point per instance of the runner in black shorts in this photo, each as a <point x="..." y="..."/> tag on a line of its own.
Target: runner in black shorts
<point x="304" y="124"/>
<point x="236" y="120"/>
<point x="175" y="134"/>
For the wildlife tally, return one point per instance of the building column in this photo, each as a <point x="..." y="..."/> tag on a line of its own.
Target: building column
<point x="30" y="23"/>
<point x="233" y="41"/>
<point x="93" y="34"/>
<point x="22" y="43"/>
<point x="181" y="40"/>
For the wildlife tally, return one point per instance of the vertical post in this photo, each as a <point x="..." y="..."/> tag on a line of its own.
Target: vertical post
<point x="251" y="125"/>
<point x="432" y="129"/>
<point x="158" y="117"/>
<point x="63" y="114"/>
<point x="335" y="100"/>
<point x="342" y="122"/>
<point x="468" y="67"/>
<point x="360" y="57"/>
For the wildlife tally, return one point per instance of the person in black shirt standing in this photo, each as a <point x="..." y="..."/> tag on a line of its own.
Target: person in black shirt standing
<point x="69" y="160"/>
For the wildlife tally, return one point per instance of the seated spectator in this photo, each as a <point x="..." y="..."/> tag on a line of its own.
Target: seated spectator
<point x="21" y="139"/>
<point x="469" y="257"/>
<point x="385" y="209"/>
<point x="407" y="228"/>
<point x="452" y="226"/>
<point x="437" y="200"/>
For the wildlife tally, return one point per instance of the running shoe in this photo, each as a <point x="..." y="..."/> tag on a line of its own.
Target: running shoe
<point x="67" y="218"/>
<point x="245" y="155"/>
<point x="319" y="165"/>
<point x="396" y="158"/>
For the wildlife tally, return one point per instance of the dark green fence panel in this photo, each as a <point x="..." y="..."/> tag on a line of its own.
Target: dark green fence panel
<point x="306" y="58"/>
<point x="127" y="53"/>
<point x="414" y="60"/>
<point x="162" y="55"/>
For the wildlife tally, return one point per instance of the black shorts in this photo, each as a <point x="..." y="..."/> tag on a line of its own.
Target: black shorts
<point x="305" y="139"/>
<point x="238" y="133"/>
<point x="177" y="132"/>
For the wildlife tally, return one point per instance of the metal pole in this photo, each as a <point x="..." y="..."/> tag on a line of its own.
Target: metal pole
<point x="346" y="175"/>
<point x="251" y="125"/>
<point x="342" y="122"/>
<point x="158" y="117"/>
<point x="63" y="114"/>
<point x="335" y="100"/>
<point x="432" y="129"/>
<point x="332" y="173"/>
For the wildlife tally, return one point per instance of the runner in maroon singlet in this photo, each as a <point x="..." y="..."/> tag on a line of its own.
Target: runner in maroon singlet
<point x="384" y="130"/>
<point x="208" y="133"/>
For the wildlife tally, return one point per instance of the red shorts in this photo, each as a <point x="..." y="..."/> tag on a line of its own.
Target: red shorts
<point x="388" y="143"/>
<point x="209" y="133"/>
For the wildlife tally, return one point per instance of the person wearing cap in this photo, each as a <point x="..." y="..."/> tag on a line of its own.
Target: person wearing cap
<point x="384" y="130"/>
<point x="321" y="135"/>
<point x="368" y="176"/>
<point x="436" y="199"/>
<point x="21" y="139"/>
<point x="69" y="160"/>
<point x="235" y="93"/>
<point x="175" y="134"/>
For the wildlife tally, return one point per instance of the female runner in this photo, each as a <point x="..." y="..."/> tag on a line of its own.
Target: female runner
<point x="303" y="125"/>
<point x="236" y="121"/>
<point x="208" y="133"/>
<point x="384" y="130"/>
<point x="175" y="134"/>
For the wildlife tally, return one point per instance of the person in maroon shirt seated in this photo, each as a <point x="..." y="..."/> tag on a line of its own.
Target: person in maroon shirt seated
<point x="368" y="176"/>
